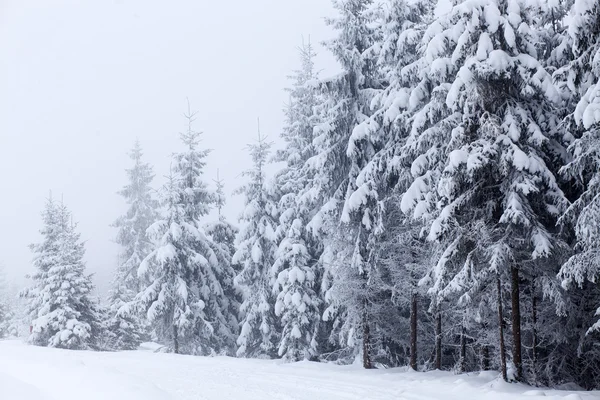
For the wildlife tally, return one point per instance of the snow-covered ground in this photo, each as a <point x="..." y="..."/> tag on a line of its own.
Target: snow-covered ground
<point x="34" y="373"/>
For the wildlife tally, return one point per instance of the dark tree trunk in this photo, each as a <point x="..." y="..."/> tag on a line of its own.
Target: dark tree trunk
<point x="367" y="364"/>
<point x="438" y="340"/>
<point x="413" y="331"/>
<point x="516" y="323"/>
<point x="534" y="329"/>
<point x="501" y="327"/>
<point x="462" y="364"/>
<point x="485" y="358"/>
<point x="175" y="340"/>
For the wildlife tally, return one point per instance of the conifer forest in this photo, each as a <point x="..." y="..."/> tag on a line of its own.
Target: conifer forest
<point x="435" y="205"/>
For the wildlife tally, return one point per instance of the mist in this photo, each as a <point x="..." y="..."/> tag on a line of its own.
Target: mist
<point x="80" y="81"/>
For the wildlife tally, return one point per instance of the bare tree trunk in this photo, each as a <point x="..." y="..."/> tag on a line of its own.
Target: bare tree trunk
<point x="367" y="364"/>
<point x="413" y="331"/>
<point x="534" y="329"/>
<point x="516" y="323"/>
<point x="462" y="364"/>
<point x="175" y="340"/>
<point x="501" y="327"/>
<point x="485" y="358"/>
<point x="438" y="339"/>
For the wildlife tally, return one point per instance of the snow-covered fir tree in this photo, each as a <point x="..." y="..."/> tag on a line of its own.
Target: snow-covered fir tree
<point x="298" y="301"/>
<point x="341" y="140"/>
<point x="183" y="295"/>
<point x="488" y="157"/>
<point x="379" y="164"/>
<point x="580" y="79"/>
<point x="170" y="299"/>
<point x="13" y="321"/>
<point x="213" y="279"/>
<point x="7" y="315"/>
<point x="256" y="246"/>
<point x="126" y="330"/>
<point x="222" y="233"/>
<point x="60" y="306"/>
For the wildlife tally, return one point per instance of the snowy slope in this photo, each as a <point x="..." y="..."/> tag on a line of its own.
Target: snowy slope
<point x="34" y="373"/>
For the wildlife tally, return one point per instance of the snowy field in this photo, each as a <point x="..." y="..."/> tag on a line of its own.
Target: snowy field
<point x="35" y="373"/>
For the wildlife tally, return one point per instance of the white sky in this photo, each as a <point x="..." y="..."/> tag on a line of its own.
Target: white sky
<point x="80" y="80"/>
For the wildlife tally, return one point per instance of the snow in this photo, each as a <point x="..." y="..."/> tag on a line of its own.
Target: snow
<point x="25" y="391"/>
<point x="456" y="158"/>
<point x="36" y="373"/>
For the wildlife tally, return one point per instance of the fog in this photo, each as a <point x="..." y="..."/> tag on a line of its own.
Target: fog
<point x="81" y="80"/>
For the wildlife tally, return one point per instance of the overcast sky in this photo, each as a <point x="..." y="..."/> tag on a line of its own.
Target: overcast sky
<point x="80" y="80"/>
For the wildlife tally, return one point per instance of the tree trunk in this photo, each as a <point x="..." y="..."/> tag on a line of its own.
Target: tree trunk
<point x="534" y="329"/>
<point x="501" y="327"/>
<point x="485" y="358"/>
<point x="516" y="323"/>
<point x="175" y="340"/>
<point x="413" y="331"/>
<point x="438" y="340"/>
<point x="366" y="340"/>
<point x="463" y="350"/>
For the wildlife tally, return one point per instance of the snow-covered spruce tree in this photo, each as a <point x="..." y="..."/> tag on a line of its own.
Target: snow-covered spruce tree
<point x="374" y="47"/>
<point x="6" y="317"/>
<point x="13" y="321"/>
<point x="213" y="279"/>
<point x="46" y="255"/>
<point x="402" y="333"/>
<point x="62" y="312"/>
<point x="581" y="79"/>
<point x="345" y="105"/>
<point x="126" y="330"/>
<point x="582" y="76"/>
<point x="379" y="163"/>
<point x="298" y="302"/>
<point x="222" y="233"/>
<point x="169" y="296"/>
<point x="256" y="248"/>
<point x="6" y="313"/>
<point x="183" y="295"/>
<point x="497" y="145"/>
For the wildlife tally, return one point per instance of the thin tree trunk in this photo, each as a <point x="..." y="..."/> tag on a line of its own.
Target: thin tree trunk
<point x="485" y="358"/>
<point x="516" y="323"/>
<point x="438" y="340"/>
<point x="534" y="329"/>
<point x="463" y="350"/>
<point x="501" y="327"/>
<point x="175" y="340"/>
<point x="366" y="340"/>
<point x="413" y="331"/>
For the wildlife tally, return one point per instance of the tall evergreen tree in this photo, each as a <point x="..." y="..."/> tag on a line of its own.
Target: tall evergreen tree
<point x="580" y="79"/>
<point x="222" y="234"/>
<point x="136" y="245"/>
<point x="172" y="303"/>
<point x="582" y="76"/>
<point x="256" y="249"/>
<point x="345" y="106"/>
<point x="382" y="170"/>
<point x="496" y="145"/>
<point x="184" y="294"/>
<point x="62" y="312"/>
<point x="298" y="302"/>
<point x="7" y="314"/>
<point x="213" y="280"/>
